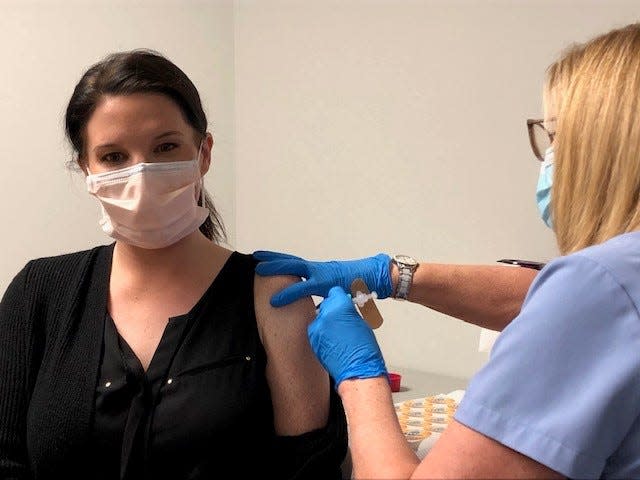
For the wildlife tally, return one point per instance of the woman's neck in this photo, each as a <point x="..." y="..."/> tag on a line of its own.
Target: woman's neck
<point x="189" y="257"/>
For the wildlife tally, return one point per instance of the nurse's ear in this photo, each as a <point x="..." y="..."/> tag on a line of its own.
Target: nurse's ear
<point x="205" y="153"/>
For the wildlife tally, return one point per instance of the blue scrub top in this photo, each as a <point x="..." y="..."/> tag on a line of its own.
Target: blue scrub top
<point x="562" y="385"/>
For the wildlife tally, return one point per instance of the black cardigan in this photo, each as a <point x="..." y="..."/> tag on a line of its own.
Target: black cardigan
<point x="51" y="330"/>
<point x="51" y="324"/>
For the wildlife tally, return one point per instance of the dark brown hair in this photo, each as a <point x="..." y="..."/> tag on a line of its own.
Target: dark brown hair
<point x="138" y="71"/>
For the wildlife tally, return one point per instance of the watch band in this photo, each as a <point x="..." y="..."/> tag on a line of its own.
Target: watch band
<point x="406" y="267"/>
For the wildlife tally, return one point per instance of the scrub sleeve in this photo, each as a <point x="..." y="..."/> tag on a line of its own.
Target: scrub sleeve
<point x="562" y="385"/>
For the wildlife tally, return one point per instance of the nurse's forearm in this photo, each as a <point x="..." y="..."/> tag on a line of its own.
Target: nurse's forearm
<point x="378" y="447"/>
<point x="485" y="295"/>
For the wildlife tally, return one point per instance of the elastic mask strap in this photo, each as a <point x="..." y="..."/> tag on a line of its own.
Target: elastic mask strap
<point x="201" y="176"/>
<point x="88" y="178"/>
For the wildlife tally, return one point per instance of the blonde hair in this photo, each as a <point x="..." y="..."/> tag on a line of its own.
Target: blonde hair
<point x="559" y="76"/>
<point x="596" y="178"/>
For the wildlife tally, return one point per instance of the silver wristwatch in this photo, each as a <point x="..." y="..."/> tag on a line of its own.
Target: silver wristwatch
<point x="406" y="267"/>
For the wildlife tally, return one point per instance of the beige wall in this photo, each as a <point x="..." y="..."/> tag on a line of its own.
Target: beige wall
<point x="45" y="47"/>
<point x="343" y="128"/>
<point x="399" y="126"/>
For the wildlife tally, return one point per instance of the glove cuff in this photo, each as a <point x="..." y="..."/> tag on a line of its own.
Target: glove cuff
<point x="382" y="282"/>
<point x="363" y="371"/>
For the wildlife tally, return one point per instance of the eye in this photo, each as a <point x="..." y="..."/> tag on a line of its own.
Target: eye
<point x="166" y="147"/>
<point x="112" y="157"/>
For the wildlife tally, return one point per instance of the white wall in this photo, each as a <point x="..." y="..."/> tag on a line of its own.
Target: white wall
<point x="399" y="126"/>
<point x="359" y="126"/>
<point x="45" y="47"/>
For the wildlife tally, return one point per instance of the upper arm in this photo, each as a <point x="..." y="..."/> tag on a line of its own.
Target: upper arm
<point x="299" y="385"/>
<point x="464" y="453"/>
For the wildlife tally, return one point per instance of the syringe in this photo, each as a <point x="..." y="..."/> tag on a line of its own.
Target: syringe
<point x="361" y="298"/>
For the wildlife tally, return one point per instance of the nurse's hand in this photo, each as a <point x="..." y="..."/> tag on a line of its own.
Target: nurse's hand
<point x="342" y="340"/>
<point x="321" y="276"/>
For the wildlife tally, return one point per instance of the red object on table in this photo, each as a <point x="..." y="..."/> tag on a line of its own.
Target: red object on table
<point x="394" y="381"/>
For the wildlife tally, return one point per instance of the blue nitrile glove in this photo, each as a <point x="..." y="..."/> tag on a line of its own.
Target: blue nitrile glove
<point x="321" y="276"/>
<point x="342" y="340"/>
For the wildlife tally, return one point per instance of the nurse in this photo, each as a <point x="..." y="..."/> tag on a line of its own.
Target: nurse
<point x="560" y="395"/>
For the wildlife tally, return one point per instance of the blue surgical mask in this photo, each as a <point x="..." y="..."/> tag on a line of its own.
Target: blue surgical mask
<point x="543" y="192"/>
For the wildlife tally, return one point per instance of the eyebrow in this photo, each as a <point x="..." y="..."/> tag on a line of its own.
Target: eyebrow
<point x="162" y="135"/>
<point x="166" y="134"/>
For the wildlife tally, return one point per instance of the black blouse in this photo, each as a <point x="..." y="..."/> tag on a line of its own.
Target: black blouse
<point x="203" y="408"/>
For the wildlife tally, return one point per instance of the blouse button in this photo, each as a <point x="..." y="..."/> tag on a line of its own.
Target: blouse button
<point x="170" y="381"/>
<point x="247" y="358"/>
<point x="107" y="385"/>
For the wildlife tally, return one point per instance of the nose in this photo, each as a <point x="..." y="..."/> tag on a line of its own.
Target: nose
<point x="141" y="158"/>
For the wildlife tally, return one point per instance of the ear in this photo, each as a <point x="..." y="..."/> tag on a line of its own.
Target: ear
<point x="207" y="147"/>
<point x="82" y="164"/>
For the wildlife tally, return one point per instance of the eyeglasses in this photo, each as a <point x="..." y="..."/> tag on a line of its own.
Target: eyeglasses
<point x="540" y="137"/>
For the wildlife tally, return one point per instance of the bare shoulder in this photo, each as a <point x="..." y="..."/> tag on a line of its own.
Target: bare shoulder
<point x="299" y="384"/>
<point x="283" y="330"/>
<point x="299" y="314"/>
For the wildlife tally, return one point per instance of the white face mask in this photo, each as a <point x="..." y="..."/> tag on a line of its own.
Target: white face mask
<point x="150" y="205"/>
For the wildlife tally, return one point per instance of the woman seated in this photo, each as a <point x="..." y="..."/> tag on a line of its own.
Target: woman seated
<point x="159" y="355"/>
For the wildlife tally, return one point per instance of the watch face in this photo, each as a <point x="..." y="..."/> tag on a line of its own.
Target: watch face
<point x="406" y="259"/>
